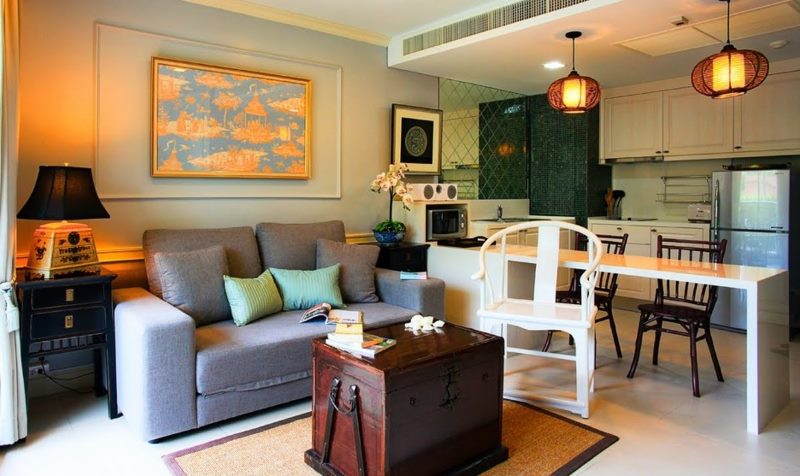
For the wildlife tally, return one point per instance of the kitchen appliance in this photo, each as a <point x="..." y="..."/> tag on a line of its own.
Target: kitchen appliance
<point x="446" y="222"/>
<point x="699" y="212"/>
<point x="434" y="191"/>
<point x="750" y="208"/>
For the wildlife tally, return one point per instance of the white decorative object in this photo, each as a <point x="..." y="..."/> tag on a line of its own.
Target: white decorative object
<point x="423" y="323"/>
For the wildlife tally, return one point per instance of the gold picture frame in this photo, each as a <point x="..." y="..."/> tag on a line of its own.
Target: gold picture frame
<point x="219" y="122"/>
<point x="417" y="139"/>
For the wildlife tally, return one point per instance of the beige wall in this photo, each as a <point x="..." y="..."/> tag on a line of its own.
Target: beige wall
<point x="58" y="85"/>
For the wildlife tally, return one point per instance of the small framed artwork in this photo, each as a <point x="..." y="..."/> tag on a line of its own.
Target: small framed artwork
<point x="212" y="121"/>
<point x="417" y="139"/>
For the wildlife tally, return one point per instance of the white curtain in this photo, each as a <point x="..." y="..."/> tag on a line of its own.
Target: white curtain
<point x="13" y="414"/>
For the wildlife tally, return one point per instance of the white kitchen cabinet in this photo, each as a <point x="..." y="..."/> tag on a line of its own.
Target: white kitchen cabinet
<point x="528" y="238"/>
<point x="696" y="124"/>
<point x="681" y="124"/>
<point x="632" y="126"/>
<point x="643" y="241"/>
<point x="766" y="118"/>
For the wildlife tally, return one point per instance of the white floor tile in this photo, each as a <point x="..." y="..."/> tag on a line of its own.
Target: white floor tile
<point x="663" y="429"/>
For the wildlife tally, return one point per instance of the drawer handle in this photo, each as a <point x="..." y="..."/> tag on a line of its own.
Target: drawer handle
<point x="412" y="401"/>
<point x="69" y="295"/>
<point x="653" y="230"/>
<point x="69" y="321"/>
<point x="619" y="228"/>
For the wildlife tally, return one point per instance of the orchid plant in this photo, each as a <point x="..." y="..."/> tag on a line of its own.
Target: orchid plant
<point x="392" y="182"/>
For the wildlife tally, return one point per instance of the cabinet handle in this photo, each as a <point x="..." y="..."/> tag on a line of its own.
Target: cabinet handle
<point x="69" y="295"/>
<point x="69" y="321"/>
<point x="653" y="230"/>
<point x="737" y="147"/>
<point x="619" y="228"/>
<point x="666" y="152"/>
<point x="658" y="152"/>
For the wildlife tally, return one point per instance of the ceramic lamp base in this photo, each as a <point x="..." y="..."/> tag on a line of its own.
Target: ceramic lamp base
<point x="62" y="249"/>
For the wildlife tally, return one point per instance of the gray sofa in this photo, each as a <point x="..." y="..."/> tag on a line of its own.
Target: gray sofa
<point x="173" y="376"/>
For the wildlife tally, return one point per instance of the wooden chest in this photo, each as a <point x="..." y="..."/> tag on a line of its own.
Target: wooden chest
<point x="432" y="404"/>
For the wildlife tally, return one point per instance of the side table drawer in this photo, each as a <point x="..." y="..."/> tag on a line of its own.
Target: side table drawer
<point x="49" y="325"/>
<point x="63" y="296"/>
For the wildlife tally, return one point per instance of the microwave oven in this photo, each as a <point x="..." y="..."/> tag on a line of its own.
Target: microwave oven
<point x="449" y="222"/>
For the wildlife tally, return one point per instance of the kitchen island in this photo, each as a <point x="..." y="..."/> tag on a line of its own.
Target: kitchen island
<point x="767" y="305"/>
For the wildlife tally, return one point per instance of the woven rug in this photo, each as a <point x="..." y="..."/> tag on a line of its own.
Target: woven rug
<point x="539" y="443"/>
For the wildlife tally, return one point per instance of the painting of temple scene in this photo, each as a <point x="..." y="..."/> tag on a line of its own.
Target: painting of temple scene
<point x="212" y="121"/>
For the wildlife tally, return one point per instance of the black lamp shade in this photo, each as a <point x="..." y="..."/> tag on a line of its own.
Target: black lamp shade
<point x="63" y="193"/>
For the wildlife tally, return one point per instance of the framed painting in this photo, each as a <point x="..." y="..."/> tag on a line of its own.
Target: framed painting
<point x="417" y="139"/>
<point x="211" y="121"/>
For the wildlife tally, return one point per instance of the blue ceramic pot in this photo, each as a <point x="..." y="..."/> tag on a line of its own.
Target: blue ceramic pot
<point x="389" y="237"/>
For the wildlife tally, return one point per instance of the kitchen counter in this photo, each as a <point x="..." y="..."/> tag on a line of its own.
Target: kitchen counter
<point x="658" y="221"/>
<point x="766" y="304"/>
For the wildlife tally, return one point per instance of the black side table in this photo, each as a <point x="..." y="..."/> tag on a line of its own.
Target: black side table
<point x="404" y="256"/>
<point x="66" y="315"/>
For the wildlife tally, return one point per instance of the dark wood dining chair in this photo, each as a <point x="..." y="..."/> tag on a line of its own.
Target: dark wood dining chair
<point x="687" y="305"/>
<point x="605" y="289"/>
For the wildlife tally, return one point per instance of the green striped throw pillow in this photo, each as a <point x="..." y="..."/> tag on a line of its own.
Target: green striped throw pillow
<point x="252" y="299"/>
<point x="303" y="289"/>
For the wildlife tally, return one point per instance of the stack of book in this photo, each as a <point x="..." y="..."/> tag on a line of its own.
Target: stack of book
<point x="350" y="336"/>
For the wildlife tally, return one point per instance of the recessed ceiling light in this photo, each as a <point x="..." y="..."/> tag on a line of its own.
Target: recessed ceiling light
<point x="777" y="44"/>
<point x="554" y="65"/>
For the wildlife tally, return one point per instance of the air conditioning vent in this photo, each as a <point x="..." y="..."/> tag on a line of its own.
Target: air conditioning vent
<point x="500" y="17"/>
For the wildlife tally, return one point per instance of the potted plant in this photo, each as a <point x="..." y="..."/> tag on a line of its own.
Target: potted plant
<point x="391" y="181"/>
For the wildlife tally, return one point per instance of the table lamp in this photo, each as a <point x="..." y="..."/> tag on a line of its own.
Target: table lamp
<point x="63" y="249"/>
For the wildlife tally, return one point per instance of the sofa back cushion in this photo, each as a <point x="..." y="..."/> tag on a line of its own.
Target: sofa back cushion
<point x="357" y="276"/>
<point x="240" y="246"/>
<point x="294" y="246"/>
<point x="192" y="281"/>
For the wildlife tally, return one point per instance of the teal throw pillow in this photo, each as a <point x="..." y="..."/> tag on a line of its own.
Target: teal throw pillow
<point x="304" y="289"/>
<point x="252" y="299"/>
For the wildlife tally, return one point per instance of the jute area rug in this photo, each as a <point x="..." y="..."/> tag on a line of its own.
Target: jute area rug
<point x="539" y="443"/>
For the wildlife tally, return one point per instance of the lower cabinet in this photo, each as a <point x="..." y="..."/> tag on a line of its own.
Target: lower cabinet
<point x="527" y="238"/>
<point x="643" y="241"/>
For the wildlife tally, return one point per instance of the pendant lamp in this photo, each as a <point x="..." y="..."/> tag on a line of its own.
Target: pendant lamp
<point x="574" y="94"/>
<point x="730" y="72"/>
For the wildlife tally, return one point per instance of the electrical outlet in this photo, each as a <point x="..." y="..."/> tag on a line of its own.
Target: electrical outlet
<point x="36" y="368"/>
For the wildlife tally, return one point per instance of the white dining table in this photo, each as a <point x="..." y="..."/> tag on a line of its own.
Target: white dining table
<point x="767" y="302"/>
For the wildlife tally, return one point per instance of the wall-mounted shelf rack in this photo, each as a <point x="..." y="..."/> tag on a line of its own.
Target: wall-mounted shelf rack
<point x="685" y="189"/>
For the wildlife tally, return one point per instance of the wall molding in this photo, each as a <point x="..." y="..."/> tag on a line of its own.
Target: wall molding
<point x="324" y="185"/>
<point x="296" y="19"/>
<point x="124" y="254"/>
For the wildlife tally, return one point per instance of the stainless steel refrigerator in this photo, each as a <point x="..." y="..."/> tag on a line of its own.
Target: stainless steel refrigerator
<point x="750" y="209"/>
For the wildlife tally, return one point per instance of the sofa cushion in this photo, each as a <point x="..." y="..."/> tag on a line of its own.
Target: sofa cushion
<point x="302" y="289"/>
<point x="252" y="299"/>
<point x="192" y="282"/>
<point x="239" y="243"/>
<point x="294" y="246"/>
<point x="271" y="351"/>
<point x="357" y="276"/>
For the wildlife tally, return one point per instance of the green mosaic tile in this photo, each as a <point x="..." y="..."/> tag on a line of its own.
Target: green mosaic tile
<point x="565" y="176"/>
<point x="503" y="149"/>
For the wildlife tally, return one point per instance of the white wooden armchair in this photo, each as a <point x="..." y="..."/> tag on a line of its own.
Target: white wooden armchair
<point x="498" y="311"/>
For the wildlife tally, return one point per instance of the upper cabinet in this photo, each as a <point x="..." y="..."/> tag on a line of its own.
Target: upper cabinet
<point x="768" y="117"/>
<point x="632" y="126"/>
<point x="696" y="124"/>
<point x="681" y="124"/>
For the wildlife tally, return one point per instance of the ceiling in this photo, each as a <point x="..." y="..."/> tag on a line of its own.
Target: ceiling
<point x="511" y="57"/>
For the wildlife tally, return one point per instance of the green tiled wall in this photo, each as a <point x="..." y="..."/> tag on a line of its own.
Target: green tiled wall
<point x="503" y="149"/>
<point x="565" y="176"/>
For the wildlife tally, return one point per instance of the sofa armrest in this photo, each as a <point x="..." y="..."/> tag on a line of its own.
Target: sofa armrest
<point x="155" y="347"/>
<point x="425" y="296"/>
